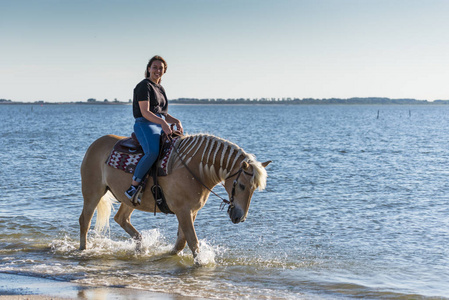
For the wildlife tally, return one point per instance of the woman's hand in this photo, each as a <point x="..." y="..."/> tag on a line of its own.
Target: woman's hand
<point x="175" y="121"/>
<point x="179" y="126"/>
<point x="166" y="128"/>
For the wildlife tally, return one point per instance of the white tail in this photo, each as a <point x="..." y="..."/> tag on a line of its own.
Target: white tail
<point x="104" y="209"/>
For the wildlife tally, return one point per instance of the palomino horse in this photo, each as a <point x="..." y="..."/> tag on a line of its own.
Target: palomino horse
<point x="199" y="163"/>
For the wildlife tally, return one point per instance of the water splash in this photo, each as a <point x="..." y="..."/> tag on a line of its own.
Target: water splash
<point x="206" y="255"/>
<point x="153" y="245"/>
<point x="99" y="245"/>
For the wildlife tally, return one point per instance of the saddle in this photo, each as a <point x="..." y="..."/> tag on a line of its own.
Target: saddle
<point x="129" y="145"/>
<point x="126" y="154"/>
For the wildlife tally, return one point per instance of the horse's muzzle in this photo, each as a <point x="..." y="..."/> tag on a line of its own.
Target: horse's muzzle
<point x="236" y="214"/>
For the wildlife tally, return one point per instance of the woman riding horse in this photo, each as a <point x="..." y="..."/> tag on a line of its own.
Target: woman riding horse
<point x="197" y="164"/>
<point x="149" y="105"/>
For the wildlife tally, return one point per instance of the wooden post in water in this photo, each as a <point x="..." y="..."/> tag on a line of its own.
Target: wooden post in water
<point x="377" y="114"/>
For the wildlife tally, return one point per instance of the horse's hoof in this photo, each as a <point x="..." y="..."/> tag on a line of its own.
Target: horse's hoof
<point x="174" y="252"/>
<point x="197" y="263"/>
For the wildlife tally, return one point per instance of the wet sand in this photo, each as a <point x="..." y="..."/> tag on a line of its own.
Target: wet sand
<point x="18" y="287"/>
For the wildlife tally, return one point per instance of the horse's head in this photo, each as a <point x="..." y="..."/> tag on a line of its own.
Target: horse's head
<point x="241" y="185"/>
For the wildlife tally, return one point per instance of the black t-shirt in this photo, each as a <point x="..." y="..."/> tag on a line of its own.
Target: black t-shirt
<point x="146" y="90"/>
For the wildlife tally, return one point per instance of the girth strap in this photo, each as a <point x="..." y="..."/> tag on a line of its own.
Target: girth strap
<point x="158" y="195"/>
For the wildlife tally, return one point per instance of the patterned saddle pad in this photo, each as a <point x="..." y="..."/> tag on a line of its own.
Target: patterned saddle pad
<point x="124" y="161"/>
<point x="127" y="152"/>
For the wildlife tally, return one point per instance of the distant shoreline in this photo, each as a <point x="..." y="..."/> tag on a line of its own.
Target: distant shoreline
<point x="263" y="101"/>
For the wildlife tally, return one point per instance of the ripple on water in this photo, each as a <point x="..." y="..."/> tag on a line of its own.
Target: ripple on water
<point x="352" y="203"/>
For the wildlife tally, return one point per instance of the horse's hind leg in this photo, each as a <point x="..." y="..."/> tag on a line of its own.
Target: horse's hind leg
<point x="92" y="197"/>
<point x="123" y="218"/>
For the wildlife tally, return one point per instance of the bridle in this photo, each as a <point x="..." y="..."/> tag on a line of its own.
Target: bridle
<point x="234" y="184"/>
<point x="230" y="202"/>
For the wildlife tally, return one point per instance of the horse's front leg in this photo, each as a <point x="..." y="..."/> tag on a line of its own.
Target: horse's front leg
<point x="181" y="240"/>
<point x="123" y="218"/>
<point x="186" y="232"/>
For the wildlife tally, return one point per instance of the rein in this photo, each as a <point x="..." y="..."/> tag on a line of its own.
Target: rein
<point x="238" y="173"/>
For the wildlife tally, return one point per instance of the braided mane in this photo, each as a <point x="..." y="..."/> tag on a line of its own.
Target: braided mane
<point x="218" y="158"/>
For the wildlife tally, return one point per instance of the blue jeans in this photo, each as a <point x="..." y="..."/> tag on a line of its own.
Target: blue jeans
<point x="148" y="134"/>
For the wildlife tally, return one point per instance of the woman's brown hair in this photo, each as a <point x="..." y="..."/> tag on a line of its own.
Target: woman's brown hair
<point x="153" y="59"/>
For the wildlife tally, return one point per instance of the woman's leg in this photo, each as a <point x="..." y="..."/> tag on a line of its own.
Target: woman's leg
<point x="148" y="134"/>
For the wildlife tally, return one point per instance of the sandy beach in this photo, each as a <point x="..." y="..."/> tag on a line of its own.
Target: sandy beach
<point x="18" y="287"/>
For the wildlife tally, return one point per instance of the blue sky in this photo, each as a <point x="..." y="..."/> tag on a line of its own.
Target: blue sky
<point x="57" y="50"/>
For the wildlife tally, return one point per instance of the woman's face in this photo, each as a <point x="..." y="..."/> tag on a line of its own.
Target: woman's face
<point x="156" y="70"/>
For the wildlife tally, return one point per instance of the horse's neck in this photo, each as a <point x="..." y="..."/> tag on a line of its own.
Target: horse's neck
<point x="215" y="157"/>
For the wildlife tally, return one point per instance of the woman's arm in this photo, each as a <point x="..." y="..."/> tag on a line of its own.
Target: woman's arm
<point x="147" y="114"/>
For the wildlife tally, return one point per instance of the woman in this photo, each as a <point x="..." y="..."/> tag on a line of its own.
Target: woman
<point x="150" y="111"/>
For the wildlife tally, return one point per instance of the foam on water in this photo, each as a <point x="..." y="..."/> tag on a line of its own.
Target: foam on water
<point x="206" y="255"/>
<point x="153" y="244"/>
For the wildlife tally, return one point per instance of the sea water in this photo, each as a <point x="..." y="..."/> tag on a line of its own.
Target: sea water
<point x="356" y="204"/>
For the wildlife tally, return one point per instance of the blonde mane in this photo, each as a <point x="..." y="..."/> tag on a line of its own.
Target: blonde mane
<point x="218" y="158"/>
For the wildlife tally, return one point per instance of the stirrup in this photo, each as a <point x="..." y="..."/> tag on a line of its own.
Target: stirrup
<point x="135" y="200"/>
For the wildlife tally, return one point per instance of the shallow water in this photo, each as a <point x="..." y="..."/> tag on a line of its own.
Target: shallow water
<point x="355" y="205"/>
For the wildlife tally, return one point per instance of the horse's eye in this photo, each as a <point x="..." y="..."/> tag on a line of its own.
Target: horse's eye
<point x="241" y="186"/>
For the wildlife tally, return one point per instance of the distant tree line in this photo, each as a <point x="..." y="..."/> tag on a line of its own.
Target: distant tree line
<point x="356" y="100"/>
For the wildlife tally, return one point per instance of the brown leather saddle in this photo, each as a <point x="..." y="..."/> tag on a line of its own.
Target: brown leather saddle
<point x="129" y="145"/>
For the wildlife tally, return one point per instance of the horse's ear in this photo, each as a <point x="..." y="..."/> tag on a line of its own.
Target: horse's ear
<point x="244" y="165"/>
<point x="265" y="164"/>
